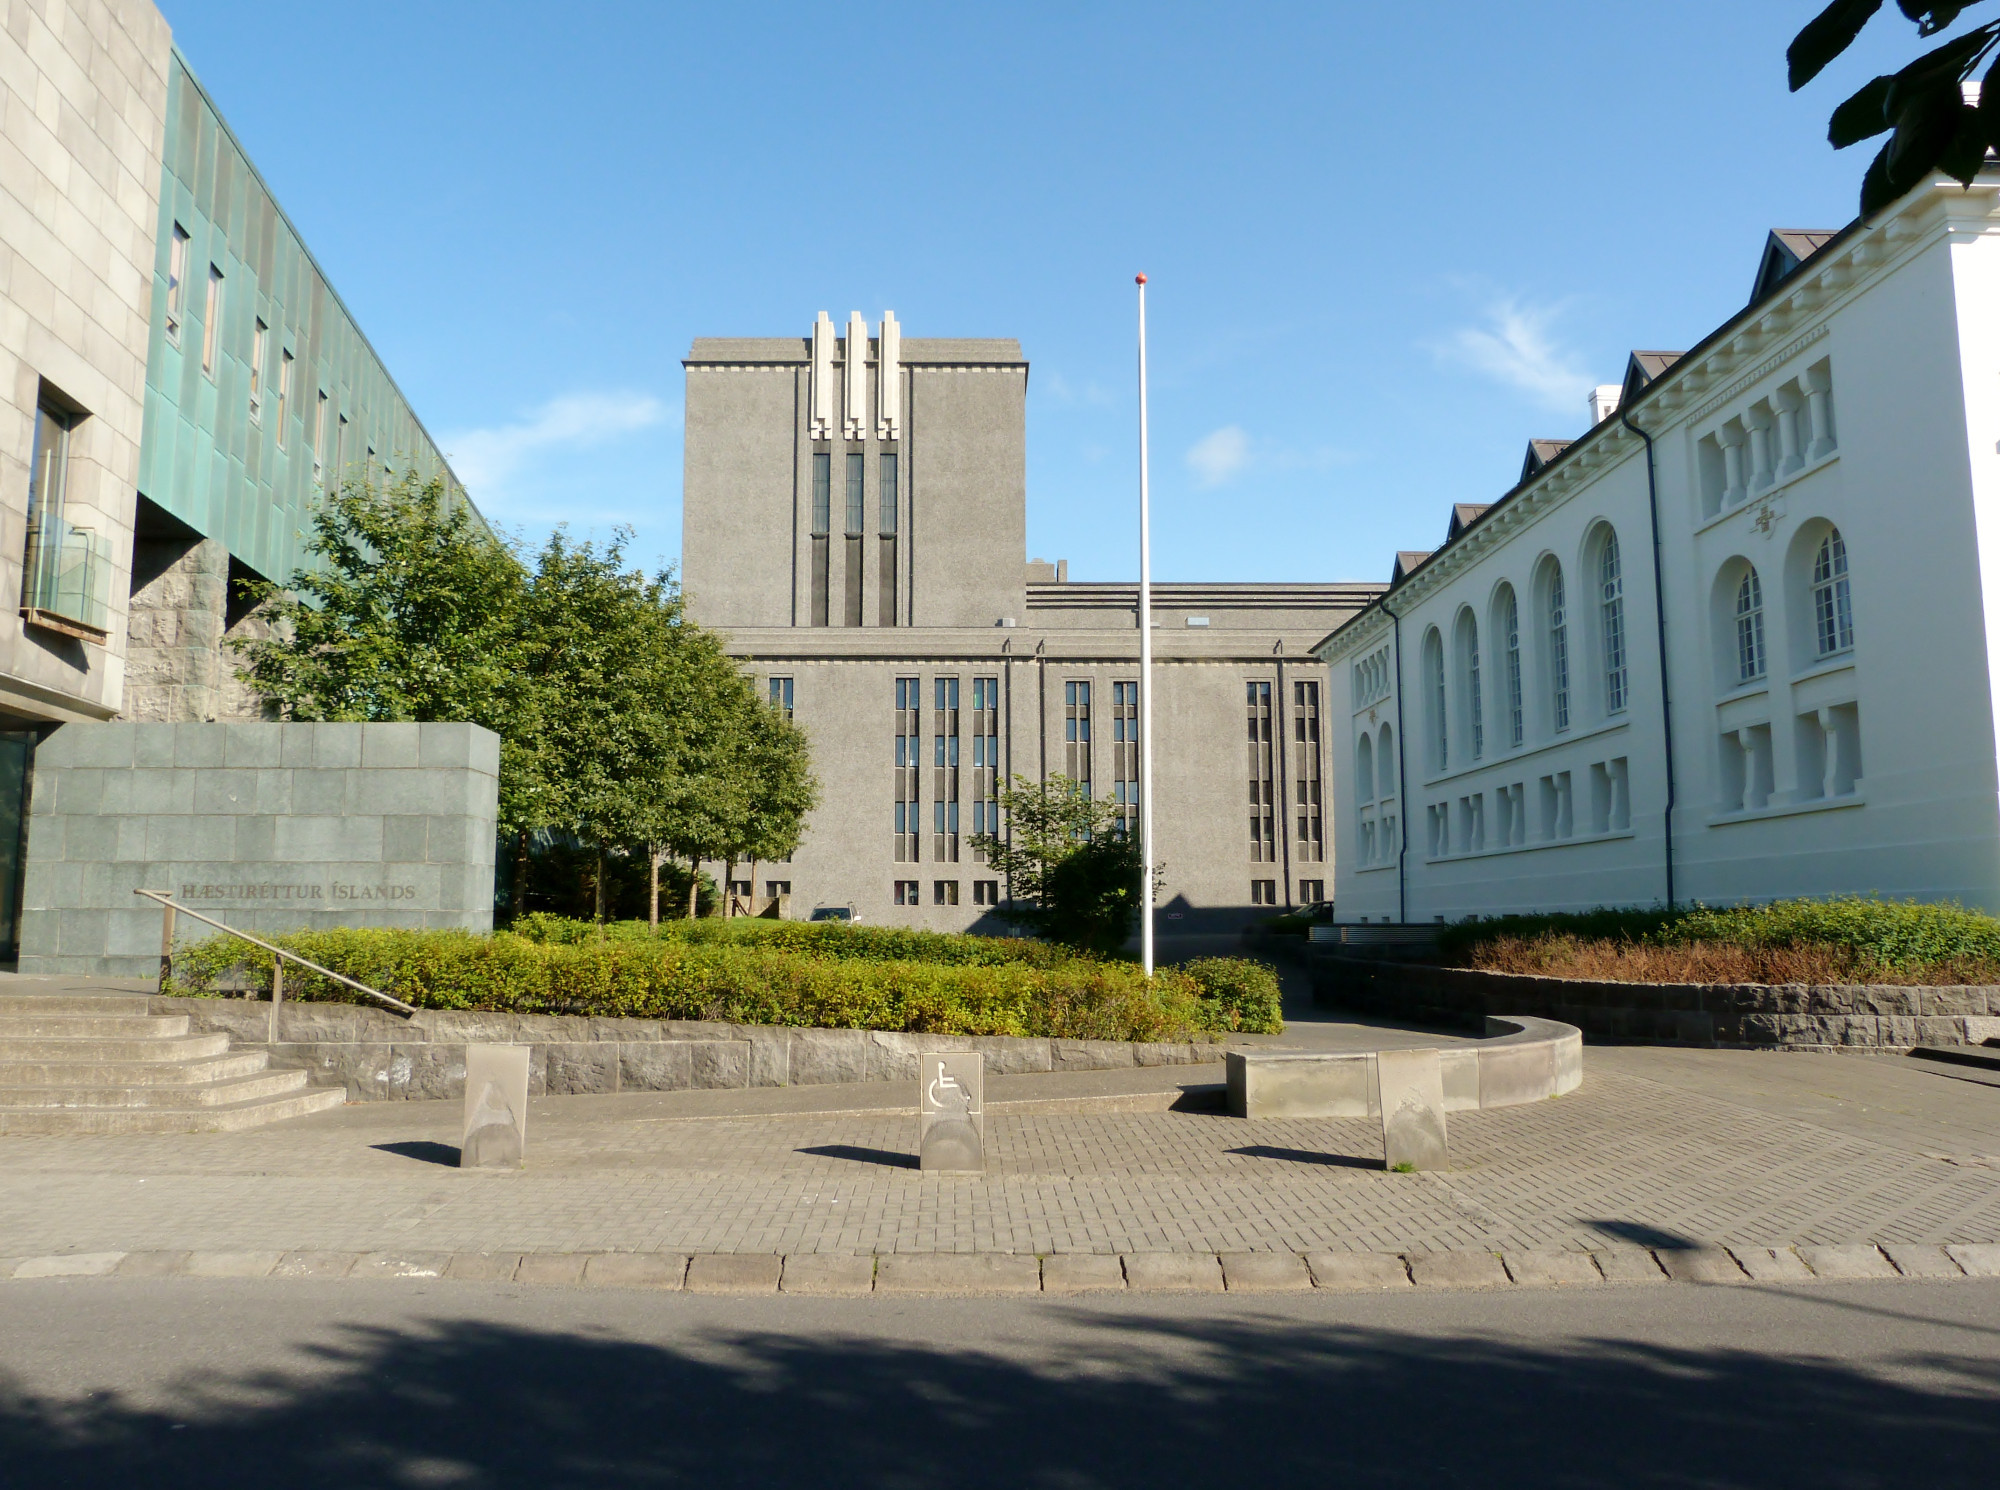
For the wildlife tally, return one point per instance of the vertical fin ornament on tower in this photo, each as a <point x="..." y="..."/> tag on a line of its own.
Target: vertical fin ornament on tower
<point x="854" y="424"/>
<point x="889" y="380"/>
<point x="821" y="420"/>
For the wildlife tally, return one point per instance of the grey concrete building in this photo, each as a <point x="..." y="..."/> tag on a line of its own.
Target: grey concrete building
<point x="855" y="516"/>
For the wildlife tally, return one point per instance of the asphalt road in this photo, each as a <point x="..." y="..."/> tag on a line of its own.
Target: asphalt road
<point x="291" y="1385"/>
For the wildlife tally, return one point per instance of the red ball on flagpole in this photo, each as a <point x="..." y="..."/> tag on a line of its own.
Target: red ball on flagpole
<point x="1139" y="279"/>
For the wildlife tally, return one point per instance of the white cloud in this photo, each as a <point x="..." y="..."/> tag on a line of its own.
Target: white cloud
<point x="1515" y="348"/>
<point x="1216" y="458"/>
<point x="486" y="460"/>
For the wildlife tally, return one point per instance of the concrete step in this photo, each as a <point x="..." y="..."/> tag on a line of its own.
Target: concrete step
<point x="235" y="1089"/>
<point x="87" y="1072"/>
<point x="91" y="1026"/>
<point x="225" y="1119"/>
<point x="1987" y="1056"/>
<point x="170" y="1048"/>
<point x="73" y="1003"/>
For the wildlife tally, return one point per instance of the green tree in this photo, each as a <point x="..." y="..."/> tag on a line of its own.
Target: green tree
<point x="1921" y="108"/>
<point x="1073" y="875"/>
<point x="412" y="613"/>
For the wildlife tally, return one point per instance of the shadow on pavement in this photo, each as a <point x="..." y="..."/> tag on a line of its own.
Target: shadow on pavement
<point x="861" y="1155"/>
<point x="423" y="1149"/>
<point x="1112" y="1402"/>
<point x="1308" y="1156"/>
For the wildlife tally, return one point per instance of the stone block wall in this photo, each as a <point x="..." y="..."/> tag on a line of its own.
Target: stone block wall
<point x="267" y="827"/>
<point x="1738" y="1015"/>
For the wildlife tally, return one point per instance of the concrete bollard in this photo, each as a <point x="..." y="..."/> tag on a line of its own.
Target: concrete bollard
<point x="1412" y="1103"/>
<point x="951" y="1111"/>
<point x="496" y="1107"/>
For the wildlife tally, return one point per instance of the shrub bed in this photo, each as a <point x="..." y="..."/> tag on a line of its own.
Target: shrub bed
<point x="778" y="974"/>
<point x="1847" y="941"/>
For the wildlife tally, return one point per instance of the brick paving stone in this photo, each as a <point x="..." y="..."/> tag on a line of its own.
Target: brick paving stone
<point x="153" y="1264"/>
<point x="636" y="1269"/>
<point x="1914" y="1261"/>
<point x="1265" y="1272"/>
<point x="827" y="1273"/>
<point x="1858" y="1260"/>
<point x="1081" y="1272"/>
<point x="1771" y="1264"/>
<point x="315" y="1265"/>
<point x="1628" y="1265"/>
<point x="231" y="1264"/>
<point x="1173" y="1272"/>
<point x="958" y="1272"/>
<point x="69" y="1265"/>
<point x="1545" y="1267"/>
<point x="1357" y="1271"/>
<point x="400" y="1265"/>
<point x="546" y="1268"/>
<point x="1462" y="1269"/>
<point x="483" y="1267"/>
<point x="1978" y="1259"/>
<point x="1701" y="1265"/>
<point x="734" y="1272"/>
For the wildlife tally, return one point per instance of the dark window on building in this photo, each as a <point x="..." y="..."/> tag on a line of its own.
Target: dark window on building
<point x="985" y="760"/>
<point x="906" y="893"/>
<point x="65" y="569"/>
<point x="1311" y="890"/>
<point x="260" y="336"/>
<point x="887" y="578"/>
<point x="284" y="397"/>
<point x="1263" y="841"/>
<point x="944" y="768"/>
<point x="986" y="892"/>
<point x="1306" y="775"/>
<point x="944" y="892"/>
<point x="777" y="887"/>
<point x="177" y="267"/>
<point x="856" y="464"/>
<point x="909" y="706"/>
<point x="781" y="695"/>
<point x="1263" y="892"/>
<point x="1125" y="754"/>
<point x="1076" y="734"/>
<point x="211" y="320"/>
<point x="822" y="527"/>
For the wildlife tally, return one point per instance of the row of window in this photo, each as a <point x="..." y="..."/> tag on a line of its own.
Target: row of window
<point x="1266" y="735"/>
<point x="1466" y="824"/>
<point x="945" y="892"/>
<point x="948" y="727"/>
<point x="1830" y="613"/>
<point x="854" y="547"/>
<point x="1265" y="892"/>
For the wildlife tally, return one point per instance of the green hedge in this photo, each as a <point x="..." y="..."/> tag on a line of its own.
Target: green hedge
<point x="1895" y="936"/>
<point x="790" y="975"/>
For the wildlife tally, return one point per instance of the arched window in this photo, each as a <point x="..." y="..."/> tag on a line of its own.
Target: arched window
<point x="1510" y="639"/>
<point x="1364" y="768"/>
<point x="1385" y="763"/>
<point x="1473" y="705"/>
<point x="1749" y="627"/>
<point x="1611" y="597"/>
<point x="1434" y="702"/>
<point x="1833" y="607"/>
<point x="1558" y="649"/>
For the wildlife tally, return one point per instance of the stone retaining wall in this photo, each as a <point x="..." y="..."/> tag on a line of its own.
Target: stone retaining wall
<point x="378" y="1056"/>
<point x="1742" y="1015"/>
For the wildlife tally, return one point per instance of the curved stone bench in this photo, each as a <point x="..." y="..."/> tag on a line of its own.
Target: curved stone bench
<point x="1522" y="1059"/>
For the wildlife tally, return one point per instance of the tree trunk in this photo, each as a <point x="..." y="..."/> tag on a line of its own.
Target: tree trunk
<point x="728" y="887"/>
<point x="753" y="887"/>
<point x="520" y="895"/>
<point x="600" y="887"/>
<point x="694" y="885"/>
<point x="653" y="885"/>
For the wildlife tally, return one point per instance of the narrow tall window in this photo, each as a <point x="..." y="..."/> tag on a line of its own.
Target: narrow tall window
<point x="822" y="541"/>
<point x="1510" y="621"/>
<point x="1263" y="838"/>
<point x="856" y="464"/>
<point x="211" y="317"/>
<point x="259" y="335"/>
<point x="319" y="436"/>
<point x="781" y="696"/>
<point x="1833" y="607"/>
<point x="1434" y="677"/>
<point x="1749" y="628"/>
<point x="1558" y="652"/>
<point x="1076" y="734"/>
<point x="335" y="476"/>
<point x="1125" y="754"/>
<point x="985" y="760"/>
<point x="1475" y="718"/>
<point x="1306" y="777"/>
<point x="177" y="266"/>
<point x="944" y="768"/>
<point x="886" y="579"/>
<point x="909" y="745"/>
<point x="48" y="476"/>
<point x="1611" y="592"/>
<point x="284" y="397"/>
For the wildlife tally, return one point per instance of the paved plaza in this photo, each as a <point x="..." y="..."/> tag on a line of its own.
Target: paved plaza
<point x="1659" y="1149"/>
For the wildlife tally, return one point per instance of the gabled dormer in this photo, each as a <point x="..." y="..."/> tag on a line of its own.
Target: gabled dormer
<point x="1784" y="250"/>
<point x="1640" y="369"/>
<point x="1463" y="516"/>
<point x="1406" y="564"/>
<point x="1540" y="453"/>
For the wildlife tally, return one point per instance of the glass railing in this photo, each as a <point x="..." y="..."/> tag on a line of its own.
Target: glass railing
<point x="69" y="576"/>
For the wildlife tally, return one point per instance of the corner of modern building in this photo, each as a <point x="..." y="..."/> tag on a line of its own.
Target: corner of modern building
<point x="855" y="519"/>
<point x="179" y="387"/>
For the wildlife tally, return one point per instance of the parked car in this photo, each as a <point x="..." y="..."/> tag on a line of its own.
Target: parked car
<point x="841" y="913"/>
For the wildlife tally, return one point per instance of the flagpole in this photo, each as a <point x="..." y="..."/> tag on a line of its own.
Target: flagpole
<point x="1145" y="662"/>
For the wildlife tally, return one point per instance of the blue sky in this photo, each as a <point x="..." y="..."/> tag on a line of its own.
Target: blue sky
<point x="1386" y="244"/>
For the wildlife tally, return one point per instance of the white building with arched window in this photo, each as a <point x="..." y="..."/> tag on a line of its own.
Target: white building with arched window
<point x="1736" y="642"/>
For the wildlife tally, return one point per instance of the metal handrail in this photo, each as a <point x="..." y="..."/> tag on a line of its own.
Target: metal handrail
<point x="171" y="906"/>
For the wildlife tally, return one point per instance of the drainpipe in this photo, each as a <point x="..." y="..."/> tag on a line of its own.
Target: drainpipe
<point x="1660" y="629"/>
<point x="1402" y="780"/>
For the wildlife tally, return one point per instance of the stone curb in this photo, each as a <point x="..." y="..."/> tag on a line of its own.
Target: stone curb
<point x="737" y="1273"/>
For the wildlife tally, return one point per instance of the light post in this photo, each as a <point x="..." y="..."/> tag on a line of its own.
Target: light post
<point x="1145" y="663"/>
